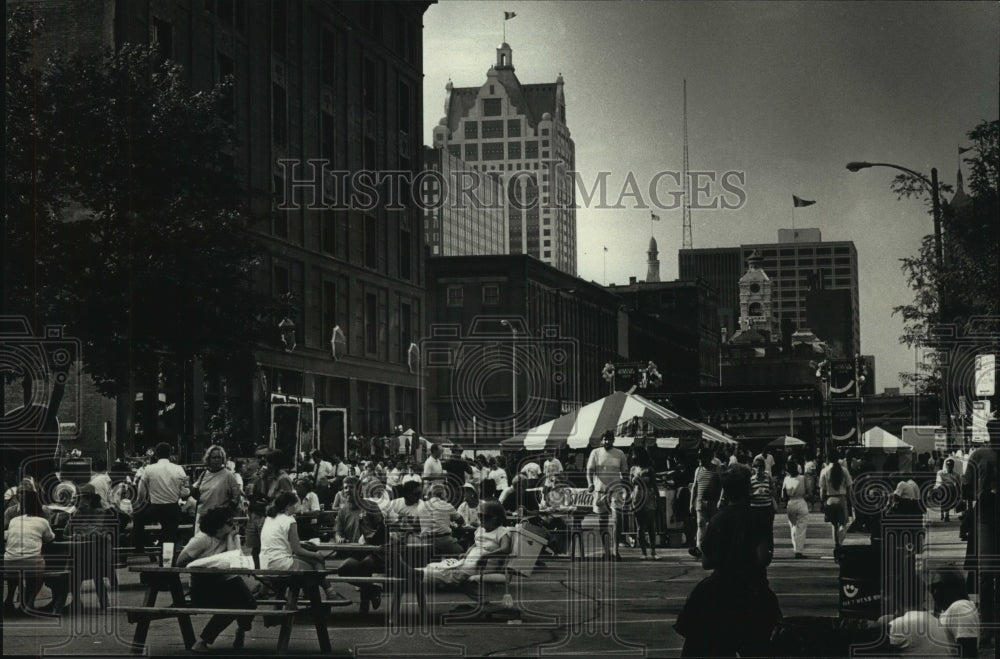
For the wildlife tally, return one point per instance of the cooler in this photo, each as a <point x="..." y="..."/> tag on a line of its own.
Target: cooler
<point x="860" y="582"/>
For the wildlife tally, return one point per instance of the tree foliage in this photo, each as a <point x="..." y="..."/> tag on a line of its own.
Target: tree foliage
<point x="125" y="219"/>
<point x="968" y="284"/>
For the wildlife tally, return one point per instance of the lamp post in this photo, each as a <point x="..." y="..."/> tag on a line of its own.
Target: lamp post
<point x="932" y="185"/>
<point x="513" y="375"/>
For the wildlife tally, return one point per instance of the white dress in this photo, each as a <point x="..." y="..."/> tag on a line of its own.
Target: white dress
<point x="458" y="570"/>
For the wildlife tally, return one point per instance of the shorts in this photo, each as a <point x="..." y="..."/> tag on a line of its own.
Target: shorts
<point x="835" y="510"/>
<point x="604" y="504"/>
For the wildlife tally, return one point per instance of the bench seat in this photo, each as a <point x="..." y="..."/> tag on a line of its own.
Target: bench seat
<point x="143" y="615"/>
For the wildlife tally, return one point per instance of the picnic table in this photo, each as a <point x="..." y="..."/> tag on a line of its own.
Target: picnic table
<point x="168" y="579"/>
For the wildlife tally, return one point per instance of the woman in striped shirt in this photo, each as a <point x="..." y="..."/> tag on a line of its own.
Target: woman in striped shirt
<point x="762" y="500"/>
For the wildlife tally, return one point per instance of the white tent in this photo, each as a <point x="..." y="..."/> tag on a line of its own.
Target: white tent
<point x="877" y="438"/>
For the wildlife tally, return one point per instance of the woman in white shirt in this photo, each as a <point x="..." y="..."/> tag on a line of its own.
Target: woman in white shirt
<point x="280" y="548"/>
<point x="24" y="538"/>
<point x="492" y="539"/>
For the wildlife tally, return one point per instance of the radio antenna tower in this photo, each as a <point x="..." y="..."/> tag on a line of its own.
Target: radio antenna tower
<point x="686" y="238"/>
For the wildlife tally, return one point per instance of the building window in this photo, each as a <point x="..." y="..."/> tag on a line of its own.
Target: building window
<point x="329" y="231"/>
<point x="513" y="150"/>
<point x="371" y="323"/>
<point x="279" y="26"/>
<point x="329" y="311"/>
<point x="327" y="138"/>
<point x="471" y="130"/>
<point x="531" y="149"/>
<point x="493" y="151"/>
<point x="279" y="116"/>
<point x="279" y="218"/>
<point x="327" y="59"/>
<point x="163" y="36"/>
<point x="405" y="331"/>
<point x="405" y="255"/>
<point x="456" y="296"/>
<point x="491" y="107"/>
<point x="493" y="128"/>
<point x="491" y="294"/>
<point x="545" y="131"/>
<point x="404" y="107"/>
<point x="471" y="152"/>
<point x="514" y="128"/>
<point x="371" y="242"/>
<point x="455" y="150"/>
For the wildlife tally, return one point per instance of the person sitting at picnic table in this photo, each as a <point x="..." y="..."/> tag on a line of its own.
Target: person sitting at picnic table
<point x="349" y="491"/>
<point x="373" y="532"/>
<point x="524" y="490"/>
<point x="347" y="527"/>
<point x="439" y="521"/>
<point x="217" y="534"/>
<point x="23" y="547"/>
<point x="308" y="500"/>
<point x="280" y="548"/>
<point x="492" y="540"/>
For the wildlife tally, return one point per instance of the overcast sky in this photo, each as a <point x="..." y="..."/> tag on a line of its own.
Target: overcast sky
<point x="786" y="92"/>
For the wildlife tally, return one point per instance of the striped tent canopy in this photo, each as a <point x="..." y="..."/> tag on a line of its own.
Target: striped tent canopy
<point x="585" y="426"/>
<point x="690" y="434"/>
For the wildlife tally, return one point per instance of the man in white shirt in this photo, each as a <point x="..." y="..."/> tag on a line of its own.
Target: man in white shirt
<point x="101" y="481"/>
<point x="163" y="484"/>
<point x="607" y="466"/>
<point x="433" y="470"/>
<point x="768" y="460"/>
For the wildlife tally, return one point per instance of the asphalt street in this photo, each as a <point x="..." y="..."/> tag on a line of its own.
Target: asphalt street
<point x="571" y="609"/>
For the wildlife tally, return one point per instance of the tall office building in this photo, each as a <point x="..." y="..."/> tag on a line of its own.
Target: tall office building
<point x="799" y="262"/>
<point x="518" y="134"/>
<point x="466" y="224"/>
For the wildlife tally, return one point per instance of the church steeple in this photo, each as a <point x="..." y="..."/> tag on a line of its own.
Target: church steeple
<point x="960" y="198"/>
<point x="653" y="262"/>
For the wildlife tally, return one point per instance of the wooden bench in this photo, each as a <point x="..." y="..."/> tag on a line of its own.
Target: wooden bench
<point x="143" y="615"/>
<point x="18" y="577"/>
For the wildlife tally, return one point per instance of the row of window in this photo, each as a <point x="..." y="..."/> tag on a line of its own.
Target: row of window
<point x="288" y="286"/>
<point x="455" y="295"/>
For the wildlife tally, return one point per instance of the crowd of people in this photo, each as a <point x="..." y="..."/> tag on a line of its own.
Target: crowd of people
<point x="725" y="499"/>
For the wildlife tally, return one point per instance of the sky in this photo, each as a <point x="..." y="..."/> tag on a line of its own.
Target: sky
<point x="785" y="92"/>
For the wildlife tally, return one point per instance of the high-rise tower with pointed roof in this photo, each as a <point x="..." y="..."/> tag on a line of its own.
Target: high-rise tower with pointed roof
<point x="518" y="134"/>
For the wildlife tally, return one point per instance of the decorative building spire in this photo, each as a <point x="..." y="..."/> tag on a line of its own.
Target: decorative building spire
<point x="653" y="263"/>
<point x="960" y="198"/>
<point x="505" y="57"/>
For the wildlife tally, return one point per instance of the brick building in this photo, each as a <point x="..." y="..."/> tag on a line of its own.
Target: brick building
<point x="340" y="81"/>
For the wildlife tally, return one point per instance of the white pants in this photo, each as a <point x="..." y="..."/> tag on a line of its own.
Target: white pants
<point x="798" y="520"/>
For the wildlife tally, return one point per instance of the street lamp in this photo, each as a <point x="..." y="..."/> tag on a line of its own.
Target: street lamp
<point x="932" y="185"/>
<point x="513" y="376"/>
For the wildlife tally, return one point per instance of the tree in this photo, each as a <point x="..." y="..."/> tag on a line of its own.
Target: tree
<point x="125" y="218"/>
<point x="968" y="284"/>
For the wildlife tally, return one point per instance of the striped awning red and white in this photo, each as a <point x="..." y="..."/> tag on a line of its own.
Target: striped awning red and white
<point x="584" y="427"/>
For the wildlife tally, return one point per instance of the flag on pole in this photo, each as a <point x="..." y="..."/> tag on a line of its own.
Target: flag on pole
<point x="605" y="249"/>
<point x="507" y="15"/>
<point x="654" y="217"/>
<point x="962" y="150"/>
<point x="800" y="203"/>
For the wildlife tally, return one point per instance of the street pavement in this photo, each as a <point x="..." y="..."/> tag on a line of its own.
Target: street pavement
<point x="596" y="608"/>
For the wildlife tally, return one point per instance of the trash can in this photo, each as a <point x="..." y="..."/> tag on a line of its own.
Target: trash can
<point x="814" y="636"/>
<point x="860" y="582"/>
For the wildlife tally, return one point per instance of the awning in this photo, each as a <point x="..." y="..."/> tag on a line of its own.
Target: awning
<point x="882" y="440"/>
<point x="583" y="428"/>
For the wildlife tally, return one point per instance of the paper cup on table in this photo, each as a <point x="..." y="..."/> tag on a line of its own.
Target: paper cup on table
<point x="168" y="554"/>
